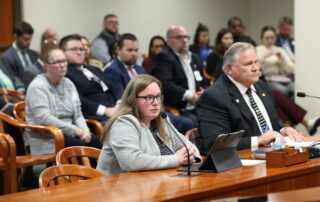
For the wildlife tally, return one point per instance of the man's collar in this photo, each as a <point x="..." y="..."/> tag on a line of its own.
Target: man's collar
<point x="243" y="89"/>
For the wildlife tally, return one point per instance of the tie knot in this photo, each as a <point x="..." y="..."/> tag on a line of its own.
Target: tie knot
<point x="249" y="92"/>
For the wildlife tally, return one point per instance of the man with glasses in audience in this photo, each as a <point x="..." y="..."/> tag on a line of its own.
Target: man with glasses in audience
<point x="102" y="44"/>
<point x="96" y="94"/>
<point x="180" y="72"/>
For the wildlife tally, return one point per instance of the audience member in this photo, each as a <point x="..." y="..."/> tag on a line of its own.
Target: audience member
<point x="137" y="138"/>
<point x="284" y="39"/>
<point x="237" y="28"/>
<point x="8" y="79"/>
<point x="180" y="71"/>
<point x="157" y="43"/>
<point x="223" y="41"/>
<point x="88" y="59"/>
<point x="49" y="35"/>
<point x="124" y="68"/>
<point x="234" y="102"/>
<point x="102" y="44"/>
<point x="53" y="100"/>
<point x="275" y="62"/>
<point x="97" y="96"/>
<point x="201" y="42"/>
<point x="49" y="40"/>
<point x="19" y="56"/>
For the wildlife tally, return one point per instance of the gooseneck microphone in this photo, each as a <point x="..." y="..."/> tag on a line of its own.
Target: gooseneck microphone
<point x="302" y="94"/>
<point x="164" y="116"/>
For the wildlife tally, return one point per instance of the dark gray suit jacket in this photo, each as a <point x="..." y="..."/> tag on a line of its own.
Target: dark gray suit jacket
<point x="222" y="109"/>
<point x="11" y="56"/>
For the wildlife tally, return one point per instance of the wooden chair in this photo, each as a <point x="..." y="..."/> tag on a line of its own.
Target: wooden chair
<point x="8" y="163"/>
<point x="173" y="110"/>
<point x="65" y="174"/>
<point x="19" y="114"/>
<point x="193" y="136"/>
<point x="79" y="155"/>
<point x="11" y="95"/>
<point x="208" y="76"/>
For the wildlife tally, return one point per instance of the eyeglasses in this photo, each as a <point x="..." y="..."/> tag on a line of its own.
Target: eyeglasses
<point x="179" y="37"/>
<point x="58" y="63"/>
<point x="150" y="98"/>
<point x="82" y="50"/>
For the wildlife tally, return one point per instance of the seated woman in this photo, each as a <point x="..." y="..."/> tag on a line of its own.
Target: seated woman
<point x="275" y="64"/>
<point x="52" y="99"/>
<point x="137" y="138"/>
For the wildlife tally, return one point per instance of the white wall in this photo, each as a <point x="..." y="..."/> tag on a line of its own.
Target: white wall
<point x="307" y="53"/>
<point x="144" y="18"/>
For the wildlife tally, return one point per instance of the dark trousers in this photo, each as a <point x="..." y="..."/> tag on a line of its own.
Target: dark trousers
<point x="287" y="109"/>
<point x="75" y="141"/>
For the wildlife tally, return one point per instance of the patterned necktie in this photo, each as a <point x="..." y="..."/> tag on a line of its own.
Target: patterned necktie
<point x="262" y="121"/>
<point x="131" y="71"/>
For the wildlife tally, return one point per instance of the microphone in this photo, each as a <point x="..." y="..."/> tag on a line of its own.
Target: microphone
<point x="302" y="94"/>
<point x="164" y="116"/>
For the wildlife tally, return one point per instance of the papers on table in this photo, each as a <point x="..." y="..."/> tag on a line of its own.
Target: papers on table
<point x="289" y="142"/>
<point x="250" y="162"/>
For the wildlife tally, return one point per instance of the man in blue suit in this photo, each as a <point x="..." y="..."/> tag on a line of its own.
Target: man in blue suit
<point x="19" y="57"/>
<point x="124" y="67"/>
<point x="97" y="96"/>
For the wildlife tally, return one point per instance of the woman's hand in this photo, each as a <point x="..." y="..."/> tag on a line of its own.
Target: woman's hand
<point x="182" y="155"/>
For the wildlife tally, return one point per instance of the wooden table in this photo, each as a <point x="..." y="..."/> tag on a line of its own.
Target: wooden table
<point x="160" y="185"/>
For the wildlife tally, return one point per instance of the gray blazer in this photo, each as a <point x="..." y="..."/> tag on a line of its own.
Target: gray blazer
<point x="130" y="146"/>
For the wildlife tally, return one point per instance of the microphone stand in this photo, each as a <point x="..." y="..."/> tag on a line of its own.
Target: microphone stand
<point x="188" y="174"/>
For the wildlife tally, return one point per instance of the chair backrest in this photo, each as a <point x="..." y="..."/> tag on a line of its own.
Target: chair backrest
<point x="8" y="163"/>
<point x="11" y="95"/>
<point x="19" y="111"/>
<point x="80" y="155"/>
<point x="65" y="174"/>
<point x="193" y="136"/>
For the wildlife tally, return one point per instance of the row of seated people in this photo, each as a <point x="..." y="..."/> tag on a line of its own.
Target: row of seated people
<point x="183" y="84"/>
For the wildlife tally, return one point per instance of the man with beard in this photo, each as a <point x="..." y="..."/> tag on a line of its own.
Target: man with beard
<point x="102" y="44"/>
<point x="124" y="67"/>
<point x="240" y="101"/>
<point x="96" y="94"/>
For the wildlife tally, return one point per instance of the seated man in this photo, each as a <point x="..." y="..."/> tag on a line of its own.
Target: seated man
<point x="53" y="100"/>
<point x="239" y="100"/>
<point x="96" y="94"/>
<point x="180" y="72"/>
<point x="120" y="71"/>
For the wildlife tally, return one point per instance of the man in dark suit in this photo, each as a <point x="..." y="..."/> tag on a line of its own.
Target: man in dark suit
<point x="238" y="100"/>
<point x="124" y="67"/>
<point x="284" y="39"/>
<point x="96" y="94"/>
<point x="180" y="72"/>
<point x="19" y="56"/>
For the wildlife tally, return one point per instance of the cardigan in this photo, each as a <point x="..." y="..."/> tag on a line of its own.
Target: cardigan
<point x="130" y="146"/>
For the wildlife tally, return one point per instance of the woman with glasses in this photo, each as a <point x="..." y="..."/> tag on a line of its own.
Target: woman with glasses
<point x="52" y="99"/>
<point x="138" y="138"/>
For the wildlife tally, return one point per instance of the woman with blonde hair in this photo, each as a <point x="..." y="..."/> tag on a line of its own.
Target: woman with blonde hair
<point x="137" y="138"/>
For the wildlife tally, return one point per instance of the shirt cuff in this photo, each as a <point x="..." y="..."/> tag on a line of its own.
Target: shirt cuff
<point x="187" y="95"/>
<point x="254" y="142"/>
<point x="101" y="109"/>
<point x="118" y="102"/>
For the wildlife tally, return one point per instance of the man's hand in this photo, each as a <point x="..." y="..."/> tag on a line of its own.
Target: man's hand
<point x="268" y="137"/>
<point x="109" y="111"/>
<point x="293" y="134"/>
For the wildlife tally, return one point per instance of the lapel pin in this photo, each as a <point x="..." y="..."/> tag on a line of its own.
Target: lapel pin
<point x="237" y="101"/>
<point x="263" y="94"/>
